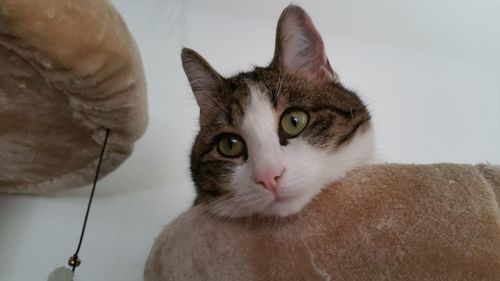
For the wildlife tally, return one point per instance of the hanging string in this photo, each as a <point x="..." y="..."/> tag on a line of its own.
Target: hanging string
<point x="74" y="260"/>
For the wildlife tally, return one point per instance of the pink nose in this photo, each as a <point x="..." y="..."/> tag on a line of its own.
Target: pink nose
<point x="269" y="178"/>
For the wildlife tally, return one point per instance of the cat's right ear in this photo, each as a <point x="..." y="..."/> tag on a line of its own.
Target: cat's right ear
<point x="299" y="47"/>
<point x="205" y="81"/>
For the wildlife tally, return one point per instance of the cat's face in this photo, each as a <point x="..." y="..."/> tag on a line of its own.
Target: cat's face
<point x="271" y="139"/>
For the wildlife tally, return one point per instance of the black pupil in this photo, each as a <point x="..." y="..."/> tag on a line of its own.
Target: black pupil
<point x="294" y="120"/>
<point x="231" y="142"/>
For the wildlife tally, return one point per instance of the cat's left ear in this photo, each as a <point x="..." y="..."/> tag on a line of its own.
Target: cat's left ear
<point x="299" y="47"/>
<point x="204" y="80"/>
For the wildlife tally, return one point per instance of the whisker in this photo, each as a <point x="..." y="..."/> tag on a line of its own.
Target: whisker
<point x="241" y="203"/>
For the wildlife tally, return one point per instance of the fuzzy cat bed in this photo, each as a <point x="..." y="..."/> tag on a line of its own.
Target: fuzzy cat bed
<point x="68" y="70"/>
<point x="383" y="222"/>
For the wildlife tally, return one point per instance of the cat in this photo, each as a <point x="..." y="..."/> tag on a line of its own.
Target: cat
<point x="272" y="138"/>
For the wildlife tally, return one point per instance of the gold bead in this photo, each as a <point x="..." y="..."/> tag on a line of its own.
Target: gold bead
<point x="74" y="261"/>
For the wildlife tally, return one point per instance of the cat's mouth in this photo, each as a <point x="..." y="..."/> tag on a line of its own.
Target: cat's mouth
<point x="284" y="205"/>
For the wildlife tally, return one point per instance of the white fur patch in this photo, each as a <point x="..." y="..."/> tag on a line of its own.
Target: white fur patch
<point x="307" y="169"/>
<point x="259" y="129"/>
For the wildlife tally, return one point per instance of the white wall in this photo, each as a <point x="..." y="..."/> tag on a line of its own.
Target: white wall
<point x="430" y="72"/>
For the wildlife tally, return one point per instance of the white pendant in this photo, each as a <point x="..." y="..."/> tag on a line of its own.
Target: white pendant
<point x="61" y="274"/>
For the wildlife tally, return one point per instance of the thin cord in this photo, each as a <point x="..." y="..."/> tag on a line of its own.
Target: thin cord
<point x="75" y="256"/>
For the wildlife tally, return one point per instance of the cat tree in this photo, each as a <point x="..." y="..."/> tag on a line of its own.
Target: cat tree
<point x="68" y="70"/>
<point x="382" y="222"/>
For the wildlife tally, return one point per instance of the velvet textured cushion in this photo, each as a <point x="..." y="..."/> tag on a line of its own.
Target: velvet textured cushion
<point x="68" y="70"/>
<point x="382" y="222"/>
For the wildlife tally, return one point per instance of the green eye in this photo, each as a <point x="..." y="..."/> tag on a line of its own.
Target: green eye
<point x="293" y="122"/>
<point x="231" y="146"/>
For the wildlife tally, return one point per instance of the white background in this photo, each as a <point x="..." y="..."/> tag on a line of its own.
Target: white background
<point x="429" y="71"/>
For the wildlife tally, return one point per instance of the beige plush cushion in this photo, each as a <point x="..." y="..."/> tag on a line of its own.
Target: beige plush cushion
<point x="384" y="222"/>
<point x="68" y="70"/>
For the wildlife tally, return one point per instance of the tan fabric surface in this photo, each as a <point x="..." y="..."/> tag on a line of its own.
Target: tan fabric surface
<point x="68" y="69"/>
<point x="384" y="222"/>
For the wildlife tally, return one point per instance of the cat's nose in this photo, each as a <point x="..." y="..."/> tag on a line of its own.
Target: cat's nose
<point x="269" y="178"/>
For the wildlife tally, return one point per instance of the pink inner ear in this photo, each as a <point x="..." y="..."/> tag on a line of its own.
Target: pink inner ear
<point x="326" y="73"/>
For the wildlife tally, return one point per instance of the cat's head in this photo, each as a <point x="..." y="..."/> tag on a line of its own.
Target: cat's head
<point x="272" y="138"/>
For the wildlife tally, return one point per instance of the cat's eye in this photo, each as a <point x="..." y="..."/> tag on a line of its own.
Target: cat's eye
<point x="230" y="145"/>
<point x="293" y="122"/>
